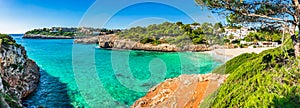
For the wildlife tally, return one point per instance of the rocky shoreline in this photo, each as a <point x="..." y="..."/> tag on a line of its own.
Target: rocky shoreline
<point x="29" y="36"/>
<point x="185" y="91"/>
<point x="19" y="75"/>
<point x="112" y="42"/>
<point x="86" y="40"/>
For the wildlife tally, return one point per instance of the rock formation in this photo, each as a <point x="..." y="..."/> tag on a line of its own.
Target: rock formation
<point x="111" y="41"/>
<point x="87" y="40"/>
<point x="185" y="91"/>
<point x="19" y="76"/>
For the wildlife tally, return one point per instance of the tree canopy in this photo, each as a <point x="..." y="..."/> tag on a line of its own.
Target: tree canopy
<point x="7" y="40"/>
<point x="272" y="14"/>
<point x="266" y="13"/>
<point x="174" y="33"/>
<point x="82" y="31"/>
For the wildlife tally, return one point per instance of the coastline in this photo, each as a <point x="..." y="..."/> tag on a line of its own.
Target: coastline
<point x="20" y="75"/>
<point x="195" y="87"/>
<point x="29" y="36"/>
<point x="227" y="54"/>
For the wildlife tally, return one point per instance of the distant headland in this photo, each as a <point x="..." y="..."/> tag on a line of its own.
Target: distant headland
<point x="66" y="33"/>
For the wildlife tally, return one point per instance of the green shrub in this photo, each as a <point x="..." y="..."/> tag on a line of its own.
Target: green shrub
<point x="234" y="63"/>
<point x="236" y="41"/>
<point x="146" y="40"/>
<point x="226" y="40"/>
<point x="156" y="42"/>
<point x="176" y="31"/>
<point x="268" y="79"/>
<point x="7" y="40"/>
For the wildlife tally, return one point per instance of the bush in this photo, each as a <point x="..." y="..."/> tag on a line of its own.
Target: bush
<point x="226" y="40"/>
<point x="156" y="42"/>
<point x="147" y="40"/>
<point x="235" y="46"/>
<point x="236" y="42"/>
<point x="176" y="31"/>
<point x="268" y="79"/>
<point x="7" y="40"/>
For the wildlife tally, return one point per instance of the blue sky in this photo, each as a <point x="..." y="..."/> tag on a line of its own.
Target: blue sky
<point x="18" y="16"/>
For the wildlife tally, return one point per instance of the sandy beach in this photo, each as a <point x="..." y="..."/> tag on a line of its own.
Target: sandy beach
<point x="227" y="54"/>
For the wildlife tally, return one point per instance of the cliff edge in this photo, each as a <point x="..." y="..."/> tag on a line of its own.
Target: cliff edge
<point x="19" y="75"/>
<point x="185" y="91"/>
<point x="112" y="41"/>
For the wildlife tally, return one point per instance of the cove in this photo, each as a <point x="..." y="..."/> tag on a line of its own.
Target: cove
<point x="115" y="78"/>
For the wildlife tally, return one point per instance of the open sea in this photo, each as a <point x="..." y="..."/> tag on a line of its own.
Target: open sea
<point x="79" y="75"/>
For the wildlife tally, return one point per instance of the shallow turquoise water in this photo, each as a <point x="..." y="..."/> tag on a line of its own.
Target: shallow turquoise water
<point x="82" y="75"/>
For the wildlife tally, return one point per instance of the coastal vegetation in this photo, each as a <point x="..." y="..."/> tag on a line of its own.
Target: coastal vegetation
<point x="174" y="33"/>
<point x="268" y="79"/>
<point x="49" y="32"/>
<point x="6" y="39"/>
<point x="259" y="80"/>
<point x="274" y="36"/>
<point x="260" y="35"/>
<point x="71" y="32"/>
<point x="271" y="14"/>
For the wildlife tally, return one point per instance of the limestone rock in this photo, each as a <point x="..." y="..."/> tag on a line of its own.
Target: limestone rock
<point x="183" y="91"/>
<point x="18" y="74"/>
<point x="87" y="40"/>
<point x="111" y="41"/>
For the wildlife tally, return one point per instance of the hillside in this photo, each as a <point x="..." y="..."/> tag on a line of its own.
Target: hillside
<point x="67" y="33"/>
<point x="268" y="79"/>
<point x="165" y="37"/>
<point x="174" y="33"/>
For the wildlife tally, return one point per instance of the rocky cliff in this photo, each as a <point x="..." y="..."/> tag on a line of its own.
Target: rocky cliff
<point x="111" y="41"/>
<point x="185" y="91"/>
<point x="87" y="40"/>
<point x="19" y="76"/>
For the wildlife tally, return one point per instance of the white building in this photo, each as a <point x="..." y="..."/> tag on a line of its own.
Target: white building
<point x="261" y="44"/>
<point x="237" y="33"/>
<point x="194" y="27"/>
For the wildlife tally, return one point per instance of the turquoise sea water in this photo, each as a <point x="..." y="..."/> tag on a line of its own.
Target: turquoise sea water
<point x="75" y="75"/>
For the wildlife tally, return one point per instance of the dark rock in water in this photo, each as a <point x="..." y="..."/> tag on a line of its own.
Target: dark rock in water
<point x="19" y="76"/>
